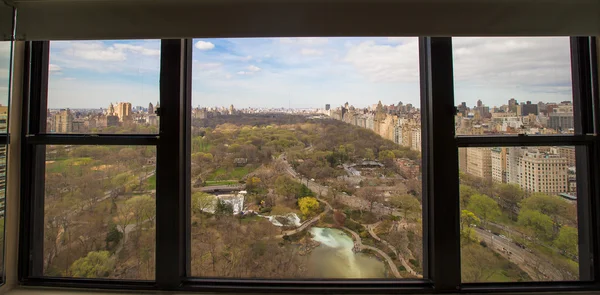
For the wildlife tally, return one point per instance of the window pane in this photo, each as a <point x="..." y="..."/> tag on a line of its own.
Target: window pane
<point x="518" y="214"/>
<point x="304" y="162"/>
<point x="103" y="86"/>
<point x="5" y="60"/>
<point x="100" y="212"/>
<point x="513" y="85"/>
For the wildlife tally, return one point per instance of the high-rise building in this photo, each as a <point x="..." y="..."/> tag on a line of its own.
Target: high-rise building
<point x="567" y="152"/>
<point x="63" y="121"/>
<point x="513" y="164"/>
<point x="462" y="159"/>
<point x="479" y="103"/>
<point x="479" y="162"/>
<point x="529" y="108"/>
<point x="124" y="111"/>
<point x="544" y="172"/>
<point x="499" y="172"/>
<point x="150" y="109"/>
<point x="327" y="107"/>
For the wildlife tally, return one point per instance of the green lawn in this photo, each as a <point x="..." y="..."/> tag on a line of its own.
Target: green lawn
<point x="151" y="182"/>
<point x="61" y="166"/>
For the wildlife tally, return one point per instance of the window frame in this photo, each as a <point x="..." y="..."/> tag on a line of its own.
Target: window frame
<point x="440" y="173"/>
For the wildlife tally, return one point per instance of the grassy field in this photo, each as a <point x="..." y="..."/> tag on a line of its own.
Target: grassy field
<point x="60" y="166"/>
<point x="228" y="174"/>
<point x="221" y="182"/>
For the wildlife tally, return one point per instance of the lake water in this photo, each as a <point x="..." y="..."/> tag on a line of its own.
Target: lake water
<point x="334" y="258"/>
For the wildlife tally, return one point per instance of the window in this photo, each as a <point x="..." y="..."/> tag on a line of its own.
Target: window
<point x="95" y="195"/>
<point x="279" y="188"/>
<point x="513" y="85"/>
<point x="522" y="206"/>
<point x="301" y="164"/>
<point x="514" y="230"/>
<point x="6" y="47"/>
<point x="103" y="87"/>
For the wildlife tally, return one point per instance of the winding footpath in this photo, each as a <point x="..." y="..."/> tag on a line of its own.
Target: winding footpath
<point x="370" y="229"/>
<point x="359" y="245"/>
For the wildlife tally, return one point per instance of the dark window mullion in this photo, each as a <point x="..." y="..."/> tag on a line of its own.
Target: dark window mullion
<point x="170" y="171"/>
<point x="33" y="164"/>
<point x="581" y="85"/>
<point x="440" y="162"/>
<point x="84" y="139"/>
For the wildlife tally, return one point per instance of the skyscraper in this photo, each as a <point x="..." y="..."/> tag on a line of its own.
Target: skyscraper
<point x="124" y="111"/>
<point x="150" y="109"/>
<point x="63" y="121"/>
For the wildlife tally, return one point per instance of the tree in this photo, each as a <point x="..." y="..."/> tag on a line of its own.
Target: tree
<point x="407" y="203"/>
<point x="223" y="208"/>
<point x="97" y="264"/>
<point x="539" y="223"/>
<point x="466" y="192"/>
<point x="466" y="219"/>
<point x="552" y="206"/>
<point x="567" y="241"/>
<point x="478" y="263"/>
<point x="369" y="154"/>
<point x="484" y="207"/>
<point x="308" y="206"/>
<point x="510" y="195"/>
<point x="285" y="186"/>
<point x="202" y="201"/>
<point x="370" y="194"/>
<point x="339" y="217"/>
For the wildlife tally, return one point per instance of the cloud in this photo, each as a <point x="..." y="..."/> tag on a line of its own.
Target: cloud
<point x="386" y="63"/>
<point x="513" y="62"/>
<point x="204" y="45"/>
<point x="53" y="68"/>
<point x="253" y="68"/>
<point x="244" y="73"/>
<point x="96" y="51"/>
<point x="138" y="49"/>
<point x="311" y="52"/>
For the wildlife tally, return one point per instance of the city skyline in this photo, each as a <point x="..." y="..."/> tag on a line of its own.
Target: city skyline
<point x="308" y="72"/>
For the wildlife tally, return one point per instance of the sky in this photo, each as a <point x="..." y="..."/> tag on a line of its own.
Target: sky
<point x="308" y="72"/>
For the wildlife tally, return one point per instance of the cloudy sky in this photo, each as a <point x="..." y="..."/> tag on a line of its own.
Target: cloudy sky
<point x="308" y="72"/>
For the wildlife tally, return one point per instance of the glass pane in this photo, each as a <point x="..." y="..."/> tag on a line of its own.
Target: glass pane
<point x="518" y="214"/>
<point x="513" y="85"/>
<point x="5" y="61"/>
<point x="304" y="162"/>
<point x="103" y="86"/>
<point x="100" y="212"/>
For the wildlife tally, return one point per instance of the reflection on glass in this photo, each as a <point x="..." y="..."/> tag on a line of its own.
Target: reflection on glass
<point x="518" y="214"/>
<point x="513" y="85"/>
<point x="103" y="87"/>
<point x="304" y="163"/>
<point x="100" y="212"/>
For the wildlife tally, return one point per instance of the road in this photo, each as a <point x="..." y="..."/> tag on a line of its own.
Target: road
<point x="358" y="244"/>
<point x="521" y="257"/>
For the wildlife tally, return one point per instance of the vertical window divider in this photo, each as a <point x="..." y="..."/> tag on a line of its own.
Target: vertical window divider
<point x="440" y="162"/>
<point x="35" y="92"/>
<point x="583" y="115"/>
<point x="170" y="161"/>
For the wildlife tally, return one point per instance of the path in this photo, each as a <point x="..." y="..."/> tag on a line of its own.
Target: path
<point x="358" y="244"/>
<point x="308" y="223"/>
<point x="371" y="228"/>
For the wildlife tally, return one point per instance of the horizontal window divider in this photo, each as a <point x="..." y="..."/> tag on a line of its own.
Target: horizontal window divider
<point x="89" y="283"/>
<point x="340" y="285"/>
<point x="92" y="139"/>
<point x="512" y="287"/>
<point x="523" y="140"/>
